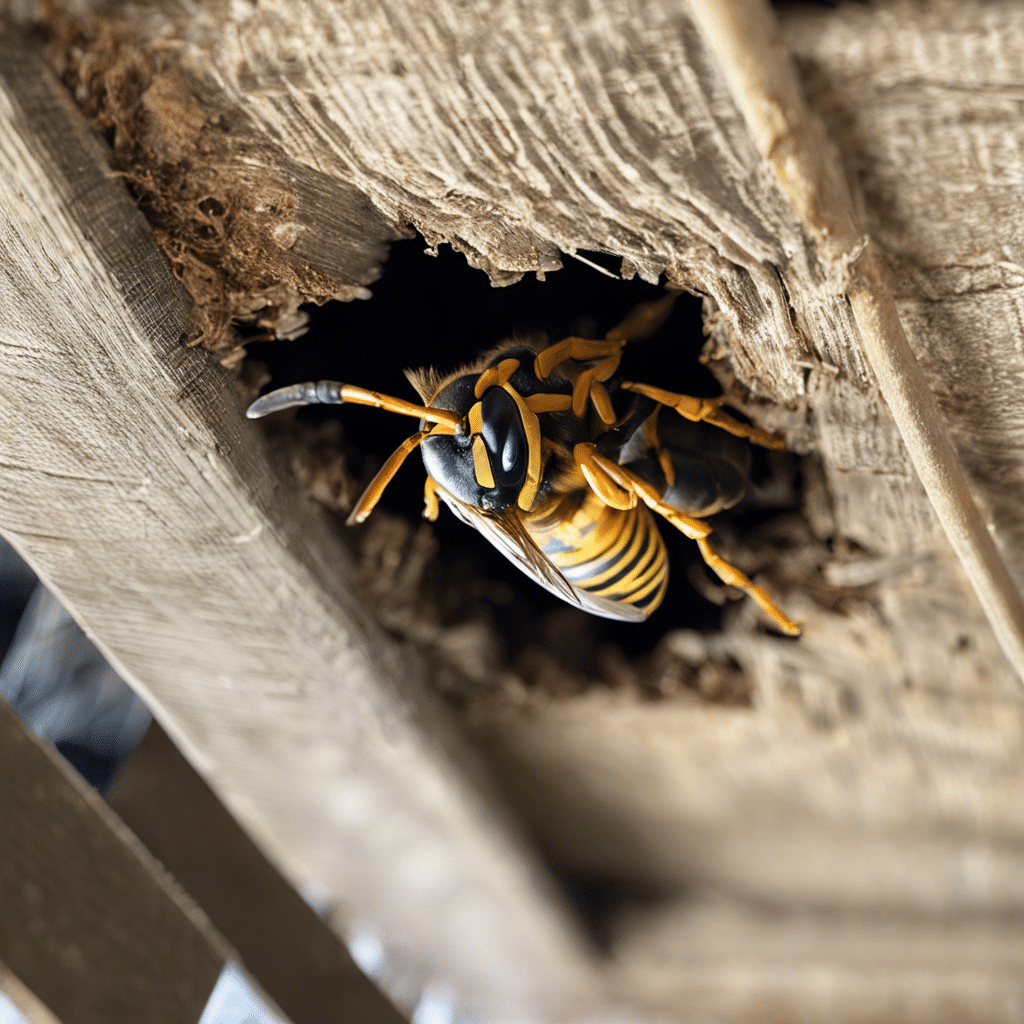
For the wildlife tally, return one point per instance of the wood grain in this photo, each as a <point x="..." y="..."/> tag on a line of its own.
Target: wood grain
<point x="879" y="768"/>
<point x="609" y="129"/>
<point x="133" y="485"/>
<point x="294" y="956"/>
<point x="746" y="39"/>
<point x="91" y="924"/>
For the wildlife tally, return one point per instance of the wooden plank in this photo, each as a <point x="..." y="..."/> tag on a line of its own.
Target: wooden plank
<point x="295" y="957"/>
<point x="880" y="762"/>
<point x="24" y="1001"/>
<point x="90" y="923"/>
<point x="285" y="946"/>
<point x="132" y="484"/>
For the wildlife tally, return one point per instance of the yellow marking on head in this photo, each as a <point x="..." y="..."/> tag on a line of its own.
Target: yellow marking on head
<point x="481" y="464"/>
<point x="476" y="419"/>
<point x="534" y="444"/>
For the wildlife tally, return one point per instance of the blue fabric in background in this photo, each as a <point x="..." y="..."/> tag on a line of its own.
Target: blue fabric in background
<point x="64" y="690"/>
<point x="60" y="684"/>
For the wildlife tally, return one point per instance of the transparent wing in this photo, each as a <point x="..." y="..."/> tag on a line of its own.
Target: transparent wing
<point x="517" y="547"/>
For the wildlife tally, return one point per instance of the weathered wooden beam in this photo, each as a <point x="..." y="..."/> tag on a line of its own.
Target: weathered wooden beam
<point x="89" y="921"/>
<point x="132" y="484"/>
<point x="762" y="75"/>
<point x="297" y="960"/>
<point x="522" y="131"/>
<point x="63" y="688"/>
<point x="890" y="735"/>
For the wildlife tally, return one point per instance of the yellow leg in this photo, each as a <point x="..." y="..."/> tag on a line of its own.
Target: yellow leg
<point x="640" y="323"/>
<point x="431" y="503"/>
<point x="644" y="320"/>
<point x="548" y="403"/>
<point x="608" y="353"/>
<point x="372" y="494"/>
<point x="705" y="410"/>
<point x="647" y="493"/>
<point x="664" y="456"/>
<point x="730" y="574"/>
<point x="602" y="403"/>
<point x="580" y="349"/>
<point x="596" y="466"/>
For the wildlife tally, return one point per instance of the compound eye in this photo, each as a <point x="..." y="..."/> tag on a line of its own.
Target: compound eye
<point x="513" y="453"/>
<point x="505" y="438"/>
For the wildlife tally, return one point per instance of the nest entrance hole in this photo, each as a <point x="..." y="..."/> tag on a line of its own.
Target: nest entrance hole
<point x="436" y="310"/>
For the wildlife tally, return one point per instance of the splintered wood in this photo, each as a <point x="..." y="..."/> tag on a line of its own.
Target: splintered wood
<point x="133" y="485"/>
<point x="849" y="824"/>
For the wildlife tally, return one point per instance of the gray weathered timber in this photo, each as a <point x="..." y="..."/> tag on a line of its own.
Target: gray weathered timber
<point x="875" y="780"/>
<point x="132" y="484"/>
<point x="91" y="924"/>
<point x="745" y="37"/>
<point x="294" y="956"/>
<point x="557" y="129"/>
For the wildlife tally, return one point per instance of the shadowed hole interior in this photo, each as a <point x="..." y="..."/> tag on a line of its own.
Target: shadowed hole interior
<point x="438" y="311"/>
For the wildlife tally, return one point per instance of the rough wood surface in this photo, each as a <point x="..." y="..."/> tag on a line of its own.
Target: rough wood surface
<point x="877" y="773"/>
<point x="297" y="960"/>
<point x="132" y="484"/>
<point x="746" y="39"/>
<point x="91" y="923"/>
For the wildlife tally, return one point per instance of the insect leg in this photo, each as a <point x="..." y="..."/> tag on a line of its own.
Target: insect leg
<point x="602" y="474"/>
<point x="706" y="410"/>
<point x="602" y="402"/>
<point x="644" y="320"/>
<point x="592" y="465"/>
<point x="664" y="455"/>
<point x="372" y="494"/>
<point x="432" y="506"/>
<point x="580" y="349"/>
<point x="601" y="466"/>
<point x="730" y="574"/>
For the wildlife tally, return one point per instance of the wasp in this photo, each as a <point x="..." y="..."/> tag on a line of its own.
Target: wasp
<point x="560" y="464"/>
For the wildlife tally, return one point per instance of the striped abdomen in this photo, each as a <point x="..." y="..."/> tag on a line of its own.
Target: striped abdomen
<point x="610" y="553"/>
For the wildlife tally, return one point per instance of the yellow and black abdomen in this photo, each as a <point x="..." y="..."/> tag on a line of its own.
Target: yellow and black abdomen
<point x="613" y="554"/>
